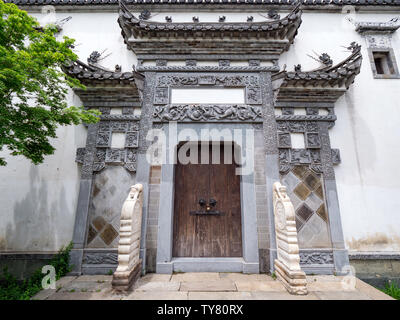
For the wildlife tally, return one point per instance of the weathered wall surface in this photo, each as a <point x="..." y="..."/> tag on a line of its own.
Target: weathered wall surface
<point x="366" y="132"/>
<point x="38" y="202"/>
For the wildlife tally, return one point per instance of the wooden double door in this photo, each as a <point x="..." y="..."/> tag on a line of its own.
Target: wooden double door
<point x="207" y="211"/>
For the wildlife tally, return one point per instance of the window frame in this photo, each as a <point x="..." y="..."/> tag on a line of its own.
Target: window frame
<point x="392" y="58"/>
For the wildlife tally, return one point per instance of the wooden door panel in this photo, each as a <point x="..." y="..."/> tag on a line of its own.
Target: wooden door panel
<point x="207" y="235"/>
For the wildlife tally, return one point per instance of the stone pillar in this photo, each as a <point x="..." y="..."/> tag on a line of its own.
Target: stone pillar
<point x="129" y="263"/>
<point x="271" y="158"/>
<point x="143" y="170"/>
<point x="340" y="254"/>
<point x="82" y="209"/>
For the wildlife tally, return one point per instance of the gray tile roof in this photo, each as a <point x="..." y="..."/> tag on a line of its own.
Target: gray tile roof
<point x="307" y="3"/>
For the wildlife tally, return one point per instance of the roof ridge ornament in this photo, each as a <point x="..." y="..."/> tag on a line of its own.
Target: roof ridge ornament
<point x="340" y="76"/>
<point x="145" y="15"/>
<point x="273" y="14"/>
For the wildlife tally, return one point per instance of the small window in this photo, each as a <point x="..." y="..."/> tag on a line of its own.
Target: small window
<point x="383" y="64"/>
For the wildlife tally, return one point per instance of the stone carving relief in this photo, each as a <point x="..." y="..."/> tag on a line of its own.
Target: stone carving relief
<point x="316" y="257"/>
<point x="103" y="154"/>
<point x="224" y="63"/>
<point x="253" y="95"/>
<point x="299" y="156"/>
<point x="312" y="140"/>
<point x="161" y="96"/>
<point x="287" y="264"/>
<point x="378" y="41"/>
<point x="100" y="258"/>
<point x="80" y="153"/>
<point x="103" y="139"/>
<point x="223" y="80"/>
<point x="207" y="113"/>
<point x="311" y="155"/>
<point x="284" y="140"/>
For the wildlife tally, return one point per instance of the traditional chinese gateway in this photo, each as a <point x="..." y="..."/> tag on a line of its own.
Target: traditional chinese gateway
<point x="307" y="93"/>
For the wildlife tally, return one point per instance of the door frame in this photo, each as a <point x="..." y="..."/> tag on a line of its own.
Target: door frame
<point x="165" y="263"/>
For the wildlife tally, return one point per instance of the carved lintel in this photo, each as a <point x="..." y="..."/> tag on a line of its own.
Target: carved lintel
<point x="185" y="113"/>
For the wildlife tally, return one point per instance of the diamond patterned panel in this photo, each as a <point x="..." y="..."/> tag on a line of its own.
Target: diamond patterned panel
<point x="322" y="212"/>
<point x="300" y="171"/>
<point x="108" y="234"/>
<point x="299" y="224"/>
<point x="302" y="191"/>
<point x="304" y="212"/>
<point x="109" y="193"/>
<point x="311" y="181"/>
<point x="319" y="192"/>
<point x="305" y="189"/>
<point x="99" y="223"/>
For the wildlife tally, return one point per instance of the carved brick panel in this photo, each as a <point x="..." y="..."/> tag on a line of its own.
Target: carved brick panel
<point x="103" y="154"/>
<point x="161" y="96"/>
<point x="250" y="112"/>
<point x="311" y="155"/>
<point x="253" y="95"/>
<point x="226" y="113"/>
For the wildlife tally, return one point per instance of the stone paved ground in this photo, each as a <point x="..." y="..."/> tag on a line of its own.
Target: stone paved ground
<point x="207" y="286"/>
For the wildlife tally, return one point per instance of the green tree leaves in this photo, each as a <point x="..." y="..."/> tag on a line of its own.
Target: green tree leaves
<point x="33" y="88"/>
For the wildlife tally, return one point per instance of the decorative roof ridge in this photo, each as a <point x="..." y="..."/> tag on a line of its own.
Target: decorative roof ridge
<point x="139" y="26"/>
<point x="306" y="3"/>
<point x="343" y="73"/>
<point x="82" y="71"/>
<point x="143" y="22"/>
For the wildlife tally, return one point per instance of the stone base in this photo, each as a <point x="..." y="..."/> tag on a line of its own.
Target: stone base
<point x="124" y="281"/>
<point x="295" y="282"/>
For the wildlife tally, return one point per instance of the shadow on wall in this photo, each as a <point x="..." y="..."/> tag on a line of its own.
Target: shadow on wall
<point x="364" y="142"/>
<point x="35" y="219"/>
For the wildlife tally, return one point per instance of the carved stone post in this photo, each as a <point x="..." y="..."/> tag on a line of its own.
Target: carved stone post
<point x="287" y="266"/>
<point x="129" y="264"/>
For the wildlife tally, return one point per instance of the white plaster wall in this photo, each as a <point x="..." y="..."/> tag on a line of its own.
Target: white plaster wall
<point x="367" y="133"/>
<point x="38" y="202"/>
<point x="95" y="31"/>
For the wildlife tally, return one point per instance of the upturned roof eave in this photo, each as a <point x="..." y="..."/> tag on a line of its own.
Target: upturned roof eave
<point x="339" y="73"/>
<point x="139" y="28"/>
